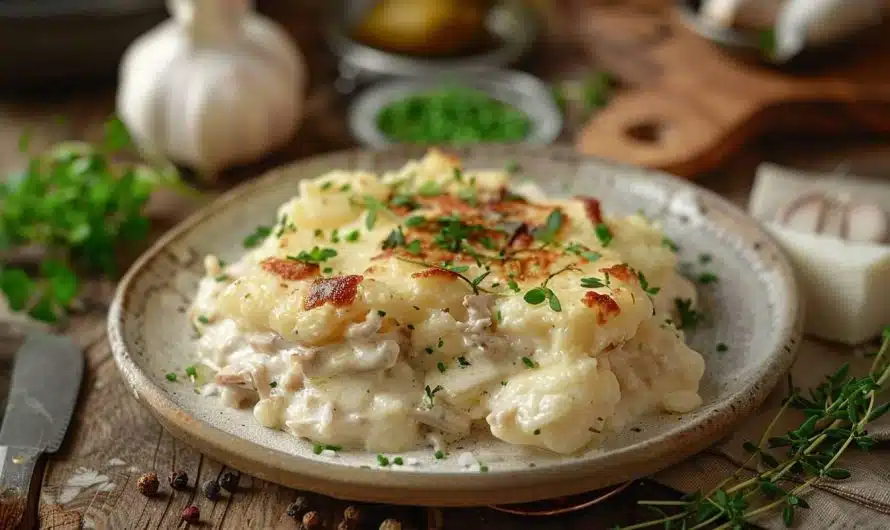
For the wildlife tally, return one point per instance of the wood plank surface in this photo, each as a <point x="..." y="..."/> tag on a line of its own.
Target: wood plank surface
<point x="91" y="482"/>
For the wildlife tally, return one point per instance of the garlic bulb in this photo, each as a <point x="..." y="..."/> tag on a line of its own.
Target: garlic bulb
<point x="215" y="85"/>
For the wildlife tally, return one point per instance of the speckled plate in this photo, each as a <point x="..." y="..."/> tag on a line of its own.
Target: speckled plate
<point x="754" y="309"/>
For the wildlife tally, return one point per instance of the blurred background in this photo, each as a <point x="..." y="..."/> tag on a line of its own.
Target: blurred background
<point x="680" y="85"/>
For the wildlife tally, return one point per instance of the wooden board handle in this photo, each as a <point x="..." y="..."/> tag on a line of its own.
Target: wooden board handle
<point x="670" y="133"/>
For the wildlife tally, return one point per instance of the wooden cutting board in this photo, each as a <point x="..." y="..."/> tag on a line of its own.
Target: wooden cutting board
<point x="688" y="105"/>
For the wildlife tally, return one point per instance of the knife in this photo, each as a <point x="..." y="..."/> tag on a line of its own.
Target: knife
<point x="46" y="378"/>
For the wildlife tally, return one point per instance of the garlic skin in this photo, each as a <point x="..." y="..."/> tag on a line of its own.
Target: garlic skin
<point x="214" y="86"/>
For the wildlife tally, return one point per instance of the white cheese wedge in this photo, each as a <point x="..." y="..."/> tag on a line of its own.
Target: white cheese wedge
<point x="846" y="285"/>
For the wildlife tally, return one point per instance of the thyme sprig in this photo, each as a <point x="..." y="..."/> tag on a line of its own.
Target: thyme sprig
<point x="837" y="413"/>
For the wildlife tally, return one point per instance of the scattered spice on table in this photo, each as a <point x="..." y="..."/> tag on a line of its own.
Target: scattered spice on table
<point x="312" y="520"/>
<point x="297" y="508"/>
<point x="229" y="481"/>
<point x="211" y="490"/>
<point x="148" y="484"/>
<point x="456" y="115"/>
<point x="191" y="514"/>
<point x="178" y="480"/>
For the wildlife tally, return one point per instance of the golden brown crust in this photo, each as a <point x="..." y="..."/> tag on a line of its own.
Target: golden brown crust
<point x="338" y="291"/>
<point x="289" y="269"/>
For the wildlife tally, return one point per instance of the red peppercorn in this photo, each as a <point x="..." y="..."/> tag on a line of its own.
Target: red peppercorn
<point x="148" y="484"/>
<point x="191" y="514"/>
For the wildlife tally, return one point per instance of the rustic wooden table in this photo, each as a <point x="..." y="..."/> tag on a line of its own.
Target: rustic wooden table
<point x="91" y="483"/>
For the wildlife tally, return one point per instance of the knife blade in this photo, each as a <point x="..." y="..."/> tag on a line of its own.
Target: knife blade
<point x="46" y="376"/>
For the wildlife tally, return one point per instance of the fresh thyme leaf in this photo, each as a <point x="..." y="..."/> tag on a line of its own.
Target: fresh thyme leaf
<point x="373" y="206"/>
<point x="580" y="250"/>
<point x="415" y="220"/>
<point x="535" y="296"/>
<point x="396" y="238"/>
<point x="171" y="377"/>
<point x="551" y="227"/>
<point x="644" y="284"/>
<point x="346" y="187"/>
<point x="603" y="233"/>
<point x="592" y="283"/>
<point x="441" y="366"/>
<point x="352" y="236"/>
<point x="335" y="236"/>
<point x="327" y="185"/>
<point x="259" y="235"/>
<point x="191" y="372"/>
<point x="316" y="255"/>
<point x="413" y="247"/>
<point x="478" y="279"/>
<point x="403" y="200"/>
<point x="554" y="302"/>
<point x="460" y="269"/>
<point x="469" y="196"/>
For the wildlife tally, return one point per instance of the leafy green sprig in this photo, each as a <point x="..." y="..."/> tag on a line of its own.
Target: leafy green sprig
<point x="79" y="204"/>
<point x="837" y="413"/>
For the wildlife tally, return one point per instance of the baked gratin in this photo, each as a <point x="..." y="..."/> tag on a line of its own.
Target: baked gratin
<point x="383" y="311"/>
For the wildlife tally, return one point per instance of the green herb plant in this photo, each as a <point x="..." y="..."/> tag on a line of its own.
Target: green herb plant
<point x="78" y="204"/>
<point x="837" y="413"/>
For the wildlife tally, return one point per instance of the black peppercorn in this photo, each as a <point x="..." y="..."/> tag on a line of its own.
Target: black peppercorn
<point x="148" y="484"/>
<point x="178" y="480"/>
<point x="229" y="481"/>
<point x="191" y="514"/>
<point x="297" y="508"/>
<point x="211" y="489"/>
<point x="312" y="520"/>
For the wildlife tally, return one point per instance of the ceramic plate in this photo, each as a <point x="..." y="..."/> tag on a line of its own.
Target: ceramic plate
<point x="753" y="309"/>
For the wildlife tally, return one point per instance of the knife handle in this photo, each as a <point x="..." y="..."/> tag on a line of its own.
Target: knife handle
<point x="16" y="472"/>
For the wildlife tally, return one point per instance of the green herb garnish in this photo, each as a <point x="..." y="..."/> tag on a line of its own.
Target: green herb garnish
<point x="604" y="234"/>
<point x="259" y="235"/>
<point x="171" y="377"/>
<point x="529" y="363"/>
<point x="463" y="362"/>
<point x="551" y="227"/>
<point x="430" y="394"/>
<point x="644" y="284"/>
<point x="689" y="317"/>
<point x="706" y="278"/>
<point x="721" y="347"/>
<point x="316" y="255"/>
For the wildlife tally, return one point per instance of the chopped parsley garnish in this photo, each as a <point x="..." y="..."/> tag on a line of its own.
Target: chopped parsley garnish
<point x="469" y="196"/>
<point x="273" y="384"/>
<point x="203" y="320"/>
<point x="513" y="285"/>
<point x="441" y="366"/>
<point x="415" y="220"/>
<point x="721" y="347"/>
<point x="706" y="278"/>
<point x="439" y="455"/>
<point x="428" y="350"/>
<point x="413" y="247"/>
<point x="320" y="448"/>
<point x="669" y="243"/>
<point x="406" y="201"/>
<point x="529" y="363"/>
<point x="604" y="234"/>
<point x="382" y="461"/>
<point x="644" y="284"/>
<point x="223" y="278"/>
<point x="704" y="259"/>
<point x="327" y="185"/>
<point x="346" y="187"/>
<point x="191" y="371"/>
<point x="259" y="235"/>
<point x="430" y="393"/>
<point x="328" y="270"/>
<point x="318" y="232"/>
<point x="398" y="461"/>
<point x="352" y="236"/>
<point x="335" y="236"/>
<point x="483" y="468"/>
<point x="463" y="362"/>
<point x="592" y="283"/>
<point x="547" y="233"/>
<point x="316" y="255"/>
<point x="537" y="432"/>
<point x="171" y="377"/>
<point x="429" y="188"/>
<point x="381" y="313"/>
<point x="440" y="343"/>
<point x="689" y="317"/>
<point x="538" y="295"/>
